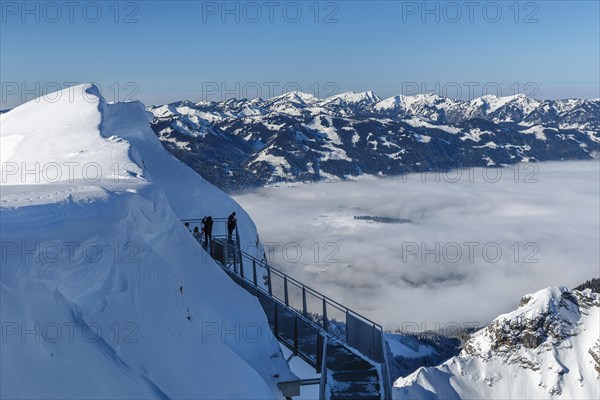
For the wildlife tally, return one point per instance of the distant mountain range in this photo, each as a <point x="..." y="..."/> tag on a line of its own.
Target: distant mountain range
<point x="237" y="144"/>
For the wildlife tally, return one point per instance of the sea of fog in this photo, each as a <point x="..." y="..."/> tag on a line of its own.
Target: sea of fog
<point x="477" y="240"/>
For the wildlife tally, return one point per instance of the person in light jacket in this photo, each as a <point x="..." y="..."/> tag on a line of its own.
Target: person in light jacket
<point x="197" y="235"/>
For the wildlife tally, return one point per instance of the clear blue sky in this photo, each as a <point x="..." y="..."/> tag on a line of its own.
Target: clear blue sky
<point x="184" y="50"/>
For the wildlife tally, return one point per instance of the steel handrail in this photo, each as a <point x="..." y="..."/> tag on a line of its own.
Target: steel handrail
<point x="386" y="379"/>
<point x="281" y="302"/>
<point x="307" y="357"/>
<point x="387" y="388"/>
<point x="311" y="290"/>
<point x="200" y="219"/>
<point x="319" y="297"/>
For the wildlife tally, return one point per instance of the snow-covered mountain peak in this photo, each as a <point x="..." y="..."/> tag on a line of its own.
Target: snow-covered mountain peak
<point x="368" y="97"/>
<point x="391" y="103"/>
<point x="292" y="103"/>
<point x="204" y="103"/>
<point x="300" y="97"/>
<point x="70" y="129"/>
<point x="487" y="97"/>
<point x="525" y="102"/>
<point x="99" y="179"/>
<point x="547" y="318"/>
<point x="423" y="98"/>
<point x="548" y="347"/>
<point x="427" y="97"/>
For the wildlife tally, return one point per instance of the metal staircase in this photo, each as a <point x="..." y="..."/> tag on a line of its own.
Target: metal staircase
<point x="347" y="349"/>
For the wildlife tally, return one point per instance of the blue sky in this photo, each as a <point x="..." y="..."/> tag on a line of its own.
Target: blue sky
<point x="159" y="51"/>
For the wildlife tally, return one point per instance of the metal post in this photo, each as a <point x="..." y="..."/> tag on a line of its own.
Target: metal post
<point x="276" y="322"/>
<point x="285" y="291"/>
<point x="319" y="352"/>
<point x="269" y="281"/>
<point x="254" y="272"/>
<point x="373" y="340"/>
<point x="242" y="271"/>
<point x="304" y="311"/>
<point x="238" y="249"/>
<point x="235" y="263"/>
<point x="295" y="336"/>
<point x="346" y="326"/>
<point x="325" y="321"/>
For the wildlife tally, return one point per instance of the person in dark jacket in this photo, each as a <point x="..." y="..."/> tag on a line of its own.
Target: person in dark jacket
<point x="208" y="225"/>
<point x="231" y="224"/>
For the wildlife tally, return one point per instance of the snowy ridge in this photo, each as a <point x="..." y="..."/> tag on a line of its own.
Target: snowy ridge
<point x="298" y="137"/>
<point x="131" y="319"/>
<point x="515" y="108"/>
<point x="549" y="347"/>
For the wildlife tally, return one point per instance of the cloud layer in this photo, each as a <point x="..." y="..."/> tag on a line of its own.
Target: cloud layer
<point x="478" y="241"/>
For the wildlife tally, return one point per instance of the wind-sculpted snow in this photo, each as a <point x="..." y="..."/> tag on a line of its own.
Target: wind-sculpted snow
<point x="104" y="293"/>
<point x="546" y="348"/>
<point x="298" y="137"/>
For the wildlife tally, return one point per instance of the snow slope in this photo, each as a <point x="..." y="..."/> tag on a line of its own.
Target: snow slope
<point x="104" y="293"/>
<point x="549" y="347"/>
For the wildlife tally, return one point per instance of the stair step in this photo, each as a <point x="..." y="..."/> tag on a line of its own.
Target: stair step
<point x="351" y="376"/>
<point x="349" y="395"/>
<point x="345" y="360"/>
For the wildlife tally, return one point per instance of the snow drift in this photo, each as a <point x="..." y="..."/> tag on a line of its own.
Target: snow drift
<point x="549" y="347"/>
<point x="104" y="293"/>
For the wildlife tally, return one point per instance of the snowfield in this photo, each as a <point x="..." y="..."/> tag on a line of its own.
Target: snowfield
<point x="104" y="293"/>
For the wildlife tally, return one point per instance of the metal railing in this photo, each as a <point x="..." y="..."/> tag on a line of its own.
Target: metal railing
<point x="337" y="320"/>
<point x="218" y="223"/>
<point x="301" y="317"/>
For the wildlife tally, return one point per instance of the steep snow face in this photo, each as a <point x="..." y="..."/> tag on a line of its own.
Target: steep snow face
<point x="549" y="347"/>
<point x="103" y="292"/>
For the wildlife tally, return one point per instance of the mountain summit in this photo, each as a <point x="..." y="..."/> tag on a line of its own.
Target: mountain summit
<point x="549" y="347"/>
<point x="103" y="292"/>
